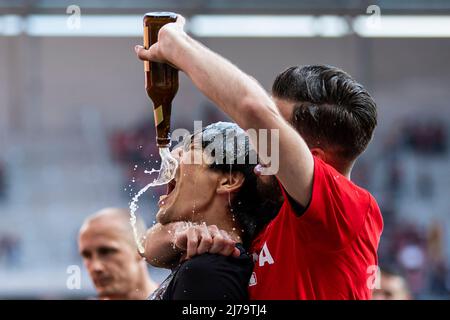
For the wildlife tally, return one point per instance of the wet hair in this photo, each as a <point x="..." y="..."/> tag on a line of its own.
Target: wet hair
<point x="252" y="206"/>
<point x="331" y="111"/>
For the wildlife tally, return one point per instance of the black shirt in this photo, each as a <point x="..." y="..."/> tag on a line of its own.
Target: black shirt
<point x="208" y="277"/>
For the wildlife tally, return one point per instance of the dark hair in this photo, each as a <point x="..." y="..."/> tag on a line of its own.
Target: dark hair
<point x="331" y="110"/>
<point x="251" y="207"/>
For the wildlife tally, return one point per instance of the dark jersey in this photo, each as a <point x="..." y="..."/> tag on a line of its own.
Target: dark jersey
<point x="208" y="277"/>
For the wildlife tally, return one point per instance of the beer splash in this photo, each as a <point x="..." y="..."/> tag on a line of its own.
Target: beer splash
<point x="167" y="172"/>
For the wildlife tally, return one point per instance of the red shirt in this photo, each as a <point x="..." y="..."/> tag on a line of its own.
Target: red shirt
<point x="328" y="252"/>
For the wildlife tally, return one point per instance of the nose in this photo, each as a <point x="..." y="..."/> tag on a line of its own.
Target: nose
<point x="96" y="265"/>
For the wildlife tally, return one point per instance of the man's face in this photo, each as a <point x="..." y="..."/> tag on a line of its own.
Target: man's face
<point x="193" y="188"/>
<point x="112" y="262"/>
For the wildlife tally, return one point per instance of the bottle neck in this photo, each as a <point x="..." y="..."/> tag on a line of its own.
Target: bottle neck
<point x="162" y="115"/>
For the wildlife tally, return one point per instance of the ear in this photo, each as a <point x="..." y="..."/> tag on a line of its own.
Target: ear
<point x="319" y="153"/>
<point x="230" y="182"/>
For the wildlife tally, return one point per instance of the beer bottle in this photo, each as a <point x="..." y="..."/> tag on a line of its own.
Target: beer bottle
<point x="161" y="79"/>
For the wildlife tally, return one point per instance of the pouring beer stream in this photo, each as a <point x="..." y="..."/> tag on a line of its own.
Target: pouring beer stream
<point x="161" y="84"/>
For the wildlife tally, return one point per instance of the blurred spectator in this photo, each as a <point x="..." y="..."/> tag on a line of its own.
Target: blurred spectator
<point x="392" y="286"/>
<point x="420" y="255"/>
<point x="107" y="246"/>
<point x="436" y="260"/>
<point x="412" y="258"/>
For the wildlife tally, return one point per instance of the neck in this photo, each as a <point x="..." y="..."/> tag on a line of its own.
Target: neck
<point x="220" y="215"/>
<point x="145" y="286"/>
<point x="343" y="167"/>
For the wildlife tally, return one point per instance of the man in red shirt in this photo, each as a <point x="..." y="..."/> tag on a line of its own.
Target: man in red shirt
<point x="323" y="242"/>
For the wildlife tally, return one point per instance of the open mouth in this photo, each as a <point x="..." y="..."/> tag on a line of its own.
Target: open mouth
<point x="170" y="187"/>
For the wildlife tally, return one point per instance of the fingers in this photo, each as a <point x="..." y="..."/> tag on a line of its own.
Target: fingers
<point x="222" y="243"/>
<point x="181" y="239"/>
<point x="150" y="54"/>
<point x="201" y="239"/>
<point x="155" y="52"/>
<point x="217" y="237"/>
<point x="192" y="242"/>
<point x="181" y="21"/>
<point x="236" y="253"/>
<point x="206" y="240"/>
<point x="230" y="245"/>
<point x="141" y="52"/>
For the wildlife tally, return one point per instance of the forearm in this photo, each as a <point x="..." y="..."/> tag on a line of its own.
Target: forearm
<point x="236" y="93"/>
<point x="249" y="105"/>
<point x="244" y="100"/>
<point x="160" y="250"/>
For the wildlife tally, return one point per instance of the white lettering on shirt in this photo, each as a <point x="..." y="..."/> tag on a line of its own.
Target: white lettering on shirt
<point x="265" y="256"/>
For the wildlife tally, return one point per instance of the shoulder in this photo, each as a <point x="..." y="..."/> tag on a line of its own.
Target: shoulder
<point x="213" y="263"/>
<point x="213" y="277"/>
<point x="375" y="214"/>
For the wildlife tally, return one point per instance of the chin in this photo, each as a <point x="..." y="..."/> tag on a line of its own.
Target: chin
<point x="103" y="293"/>
<point x="163" y="216"/>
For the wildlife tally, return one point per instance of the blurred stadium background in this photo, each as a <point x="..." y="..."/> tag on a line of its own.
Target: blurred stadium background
<point x="76" y="126"/>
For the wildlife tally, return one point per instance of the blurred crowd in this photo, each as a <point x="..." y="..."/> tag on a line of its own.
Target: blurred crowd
<point x="427" y="137"/>
<point x="414" y="252"/>
<point x="418" y="255"/>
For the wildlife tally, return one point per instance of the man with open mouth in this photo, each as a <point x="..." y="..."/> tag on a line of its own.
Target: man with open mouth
<point x="215" y="185"/>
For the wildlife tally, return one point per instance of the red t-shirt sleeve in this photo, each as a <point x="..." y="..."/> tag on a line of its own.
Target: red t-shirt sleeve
<point x="336" y="211"/>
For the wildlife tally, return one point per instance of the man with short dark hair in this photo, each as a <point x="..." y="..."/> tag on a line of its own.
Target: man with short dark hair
<point x="220" y="188"/>
<point x="325" y="237"/>
<point x="393" y="286"/>
<point x="331" y="111"/>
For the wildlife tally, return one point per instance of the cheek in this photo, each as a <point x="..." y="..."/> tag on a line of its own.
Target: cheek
<point x="191" y="178"/>
<point x="205" y="187"/>
<point x="196" y="192"/>
<point x="118" y="262"/>
<point x="124" y="267"/>
<point x="286" y="112"/>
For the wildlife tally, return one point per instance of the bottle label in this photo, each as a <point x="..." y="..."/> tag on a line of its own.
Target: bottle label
<point x="146" y="46"/>
<point x="146" y="42"/>
<point x="158" y="115"/>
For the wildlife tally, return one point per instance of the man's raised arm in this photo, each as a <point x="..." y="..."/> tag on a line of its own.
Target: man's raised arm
<point x="241" y="97"/>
